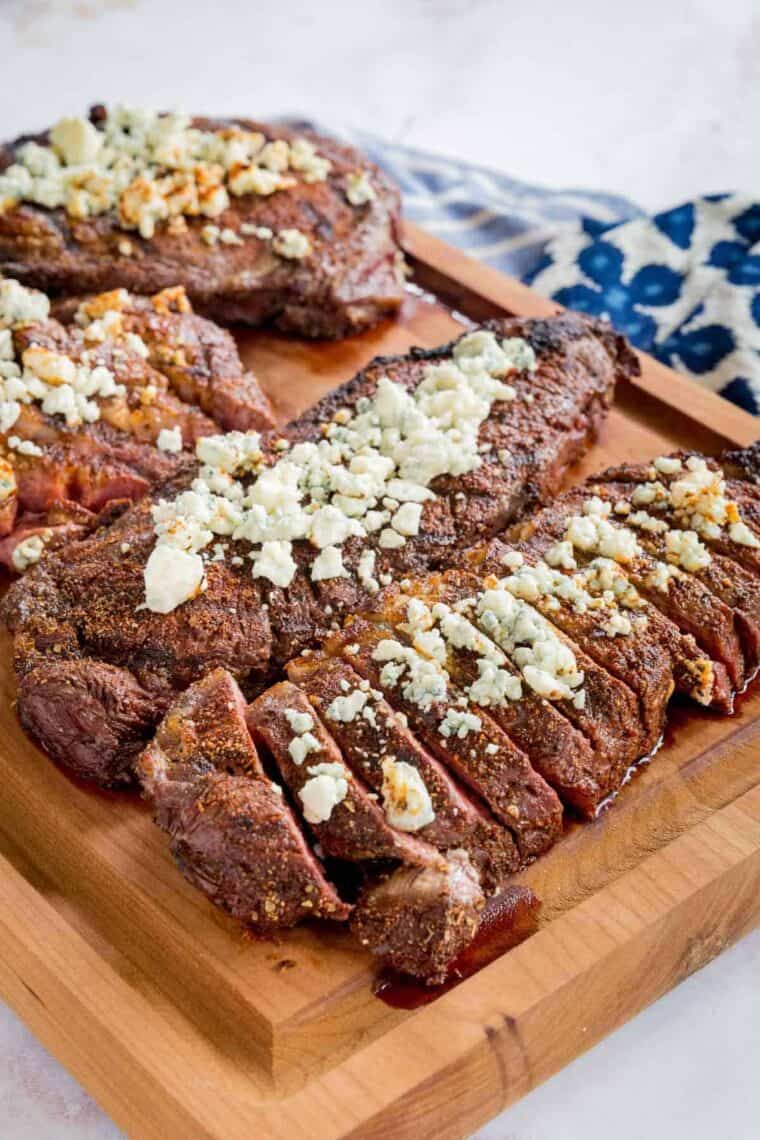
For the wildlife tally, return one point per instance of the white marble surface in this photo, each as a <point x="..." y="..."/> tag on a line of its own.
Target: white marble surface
<point x="658" y="100"/>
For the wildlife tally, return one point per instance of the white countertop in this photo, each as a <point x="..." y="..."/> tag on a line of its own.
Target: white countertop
<point x="659" y="105"/>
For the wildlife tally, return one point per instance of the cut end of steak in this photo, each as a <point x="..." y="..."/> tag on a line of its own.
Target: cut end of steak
<point x="231" y="830"/>
<point x="258" y="223"/>
<point x="419" y="920"/>
<point x="91" y="717"/>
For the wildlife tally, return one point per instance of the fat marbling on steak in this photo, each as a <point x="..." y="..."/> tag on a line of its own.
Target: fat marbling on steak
<point x="96" y="411"/>
<point x="258" y="223"/>
<point x="88" y="648"/>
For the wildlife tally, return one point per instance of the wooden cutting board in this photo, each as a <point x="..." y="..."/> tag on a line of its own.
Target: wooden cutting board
<point x="180" y="1027"/>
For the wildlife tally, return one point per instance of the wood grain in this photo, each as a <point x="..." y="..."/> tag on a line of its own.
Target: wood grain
<point x="180" y="1026"/>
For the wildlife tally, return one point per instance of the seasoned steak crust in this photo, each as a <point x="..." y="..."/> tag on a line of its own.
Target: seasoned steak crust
<point x="174" y="373"/>
<point x="350" y="280"/>
<point x="253" y="627"/>
<point x="231" y="831"/>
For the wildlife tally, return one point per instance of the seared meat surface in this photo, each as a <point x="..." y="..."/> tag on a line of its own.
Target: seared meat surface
<point x="251" y="624"/>
<point x="98" y="411"/>
<point x="231" y="831"/>
<point x="259" y="225"/>
<point x="419" y="919"/>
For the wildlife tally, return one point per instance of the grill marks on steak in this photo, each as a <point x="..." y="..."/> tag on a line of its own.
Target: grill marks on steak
<point x="231" y="830"/>
<point x="192" y="379"/>
<point x="349" y="281"/>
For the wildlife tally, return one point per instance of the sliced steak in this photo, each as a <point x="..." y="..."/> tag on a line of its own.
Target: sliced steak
<point x="339" y="808"/>
<point x="140" y="419"/>
<point x="231" y="831"/>
<point x="419" y="919"/>
<point x="252" y="626"/>
<point x="378" y="746"/>
<point x="460" y="735"/>
<point x="263" y="226"/>
<point x="557" y="748"/>
<point x="580" y="527"/>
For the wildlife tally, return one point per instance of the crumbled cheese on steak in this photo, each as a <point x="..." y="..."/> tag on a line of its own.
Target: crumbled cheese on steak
<point x="152" y="168"/>
<point x="347" y="708"/>
<point x="406" y="800"/>
<point x="547" y="663"/>
<point x="299" y="721"/>
<point x="172" y="576"/>
<point x="24" y="446"/>
<point x="170" y="439"/>
<point x="291" y="244"/>
<point x="60" y="385"/>
<point x="326" y="788"/>
<point x="696" y="498"/>
<point x="422" y="681"/>
<point x="27" y="552"/>
<point x="459" y="723"/>
<point x="359" y="189"/>
<point x="370" y="473"/>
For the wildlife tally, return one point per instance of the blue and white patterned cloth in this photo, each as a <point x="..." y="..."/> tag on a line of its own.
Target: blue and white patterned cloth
<point x="683" y="285"/>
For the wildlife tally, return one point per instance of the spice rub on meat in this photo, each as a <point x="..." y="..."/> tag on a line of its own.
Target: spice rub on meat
<point x="95" y="412"/>
<point x="258" y="223"/>
<point x="231" y="831"/>
<point x="251" y="555"/>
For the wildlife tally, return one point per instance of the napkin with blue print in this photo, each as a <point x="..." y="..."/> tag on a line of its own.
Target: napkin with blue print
<point x="683" y="285"/>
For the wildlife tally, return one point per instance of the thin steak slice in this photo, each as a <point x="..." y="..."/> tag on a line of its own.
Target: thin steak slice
<point x="231" y="831"/>
<point x="378" y="745"/>
<point x="343" y="815"/>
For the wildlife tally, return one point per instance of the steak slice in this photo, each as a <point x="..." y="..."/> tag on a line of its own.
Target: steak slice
<point x="557" y="748"/>
<point x="96" y="593"/>
<point x="231" y="831"/>
<point x="378" y="746"/>
<point x="342" y="813"/>
<point x="296" y="231"/>
<point x="419" y="919"/>
<point x="466" y="739"/>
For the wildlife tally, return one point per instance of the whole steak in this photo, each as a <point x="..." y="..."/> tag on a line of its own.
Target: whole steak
<point x="259" y="224"/>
